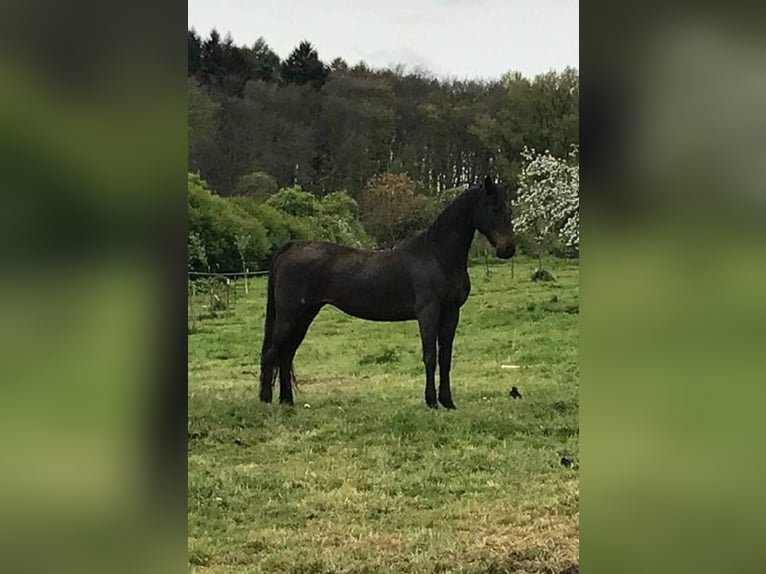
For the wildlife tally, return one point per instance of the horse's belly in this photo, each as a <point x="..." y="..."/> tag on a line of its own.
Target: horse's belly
<point x="375" y="302"/>
<point x="376" y="314"/>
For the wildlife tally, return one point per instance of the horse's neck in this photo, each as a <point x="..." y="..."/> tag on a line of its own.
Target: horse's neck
<point x="451" y="236"/>
<point x="453" y="252"/>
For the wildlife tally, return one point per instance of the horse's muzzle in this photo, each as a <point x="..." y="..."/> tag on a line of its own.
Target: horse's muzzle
<point x="505" y="250"/>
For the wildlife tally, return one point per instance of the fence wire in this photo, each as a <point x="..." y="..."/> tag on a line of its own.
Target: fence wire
<point x="213" y="295"/>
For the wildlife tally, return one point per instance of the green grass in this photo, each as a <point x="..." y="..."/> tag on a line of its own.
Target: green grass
<point x="360" y="476"/>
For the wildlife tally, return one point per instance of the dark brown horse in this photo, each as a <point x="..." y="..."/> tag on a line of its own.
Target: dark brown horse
<point x="424" y="278"/>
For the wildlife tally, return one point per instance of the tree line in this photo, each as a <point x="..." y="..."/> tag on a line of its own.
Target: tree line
<point x="332" y="127"/>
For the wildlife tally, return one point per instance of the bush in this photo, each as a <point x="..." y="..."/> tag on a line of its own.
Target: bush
<point x="331" y="219"/>
<point x="217" y="223"/>
<point x="224" y="231"/>
<point x="274" y="221"/>
<point x="339" y="223"/>
<point x="294" y="201"/>
<point x="542" y="275"/>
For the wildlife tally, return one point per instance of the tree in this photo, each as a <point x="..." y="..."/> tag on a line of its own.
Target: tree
<point x="361" y="68"/>
<point x="339" y="65"/>
<point x="202" y="118"/>
<point x="547" y="206"/>
<point x="555" y="106"/>
<point x="235" y="70"/>
<point x="393" y="207"/>
<point x="211" y="63"/>
<point x="264" y="61"/>
<point x="303" y="66"/>
<point x="258" y="185"/>
<point x="353" y="131"/>
<point x="224" y="65"/>
<point x="194" y="52"/>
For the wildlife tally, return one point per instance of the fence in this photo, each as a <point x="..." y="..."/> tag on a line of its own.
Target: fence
<point x="211" y="295"/>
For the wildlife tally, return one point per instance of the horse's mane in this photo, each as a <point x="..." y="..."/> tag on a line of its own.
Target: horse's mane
<point x="453" y="214"/>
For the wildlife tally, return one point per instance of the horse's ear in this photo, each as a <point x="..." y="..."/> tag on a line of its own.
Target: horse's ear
<point x="489" y="186"/>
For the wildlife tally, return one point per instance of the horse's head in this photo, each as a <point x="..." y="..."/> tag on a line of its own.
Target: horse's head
<point x="493" y="219"/>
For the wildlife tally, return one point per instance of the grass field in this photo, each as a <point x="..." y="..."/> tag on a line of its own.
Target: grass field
<point x="360" y="476"/>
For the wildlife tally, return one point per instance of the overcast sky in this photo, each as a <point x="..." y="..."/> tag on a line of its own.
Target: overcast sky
<point x="459" y="38"/>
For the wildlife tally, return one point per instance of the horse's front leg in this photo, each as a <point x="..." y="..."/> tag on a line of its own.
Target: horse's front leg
<point x="428" y="321"/>
<point x="447" y="325"/>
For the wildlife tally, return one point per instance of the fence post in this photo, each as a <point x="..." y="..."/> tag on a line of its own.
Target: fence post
<point x="191" y="306"/>
<point x="246" y="272"/>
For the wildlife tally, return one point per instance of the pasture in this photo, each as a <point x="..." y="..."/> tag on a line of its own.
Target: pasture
<point x="360" y="476"/>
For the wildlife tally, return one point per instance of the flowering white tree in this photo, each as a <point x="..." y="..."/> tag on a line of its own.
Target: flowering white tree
<point x="547" y="204"/>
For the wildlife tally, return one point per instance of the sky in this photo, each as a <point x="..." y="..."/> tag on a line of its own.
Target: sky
<point x="451" y="38"/>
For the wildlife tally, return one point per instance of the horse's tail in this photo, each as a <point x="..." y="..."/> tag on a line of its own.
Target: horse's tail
<point x="269" y="359"/>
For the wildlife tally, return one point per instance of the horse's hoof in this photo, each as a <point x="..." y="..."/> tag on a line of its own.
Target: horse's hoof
<point x="432" y="404"/>
<point x="288" y="402"/>
<point x="265" y="398"/>
<point x="447" y="403"/>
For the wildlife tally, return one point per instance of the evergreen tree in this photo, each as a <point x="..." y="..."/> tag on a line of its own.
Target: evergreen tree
<point x="212" y="59"/>
<point x="264" y="61"/>
<point x="303" y="66"/>
<point x="339" y="65"/>
<point x="194" y="52"/>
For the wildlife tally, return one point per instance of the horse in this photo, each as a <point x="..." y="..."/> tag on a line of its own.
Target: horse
<point x="424" y="278"/>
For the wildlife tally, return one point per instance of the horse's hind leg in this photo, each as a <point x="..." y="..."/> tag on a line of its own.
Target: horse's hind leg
<point x="269" y="363"/>
<point x="287" y="353"/>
